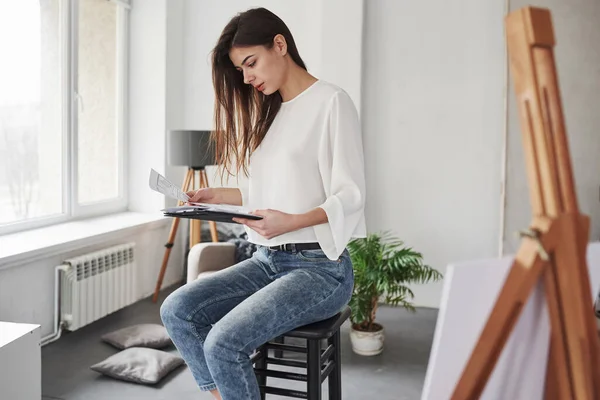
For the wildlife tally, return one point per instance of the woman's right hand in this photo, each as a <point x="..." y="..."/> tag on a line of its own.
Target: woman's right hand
<point x="203" y="195"/>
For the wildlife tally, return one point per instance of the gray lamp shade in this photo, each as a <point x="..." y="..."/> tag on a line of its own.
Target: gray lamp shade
<point x="190" y="148"/>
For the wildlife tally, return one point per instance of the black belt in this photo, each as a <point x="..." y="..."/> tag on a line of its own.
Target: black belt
<point x="296" y="246"/>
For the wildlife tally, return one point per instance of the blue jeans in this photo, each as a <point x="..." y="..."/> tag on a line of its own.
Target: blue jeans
<point x="217" y="321"/>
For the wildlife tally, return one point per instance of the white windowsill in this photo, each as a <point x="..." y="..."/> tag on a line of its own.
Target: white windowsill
<point x="28" y="246"/>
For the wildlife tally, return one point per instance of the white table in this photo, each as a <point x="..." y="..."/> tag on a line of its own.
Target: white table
<point x="20" y="361"/>
<point x="470" y="290"/>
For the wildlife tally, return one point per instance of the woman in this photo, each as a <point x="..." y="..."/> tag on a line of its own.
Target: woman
<point x="298" y="140"/>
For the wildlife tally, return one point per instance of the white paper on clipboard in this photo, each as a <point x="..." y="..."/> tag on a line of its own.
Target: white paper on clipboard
<point x="160" y="184"/>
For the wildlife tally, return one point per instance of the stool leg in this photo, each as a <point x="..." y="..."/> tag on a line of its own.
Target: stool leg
<point x="261" y="363"/>
<point x="278" y="353"/>
<point x="313" y="366"/>
<point x="335" y="377"/>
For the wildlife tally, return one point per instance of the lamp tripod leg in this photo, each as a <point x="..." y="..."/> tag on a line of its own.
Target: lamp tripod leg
<point x="170" y="241"/>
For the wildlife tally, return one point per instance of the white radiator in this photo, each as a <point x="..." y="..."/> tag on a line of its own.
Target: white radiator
<point x="96" y="284"/>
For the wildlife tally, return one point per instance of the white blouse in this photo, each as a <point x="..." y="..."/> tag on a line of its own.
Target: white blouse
<point x="312" y="156"/>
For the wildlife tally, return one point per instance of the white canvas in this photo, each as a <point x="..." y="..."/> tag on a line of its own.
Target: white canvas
<point x="470" y="290"/>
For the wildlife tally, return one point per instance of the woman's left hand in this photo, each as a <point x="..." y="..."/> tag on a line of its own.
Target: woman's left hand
<point x="273" y="223"/>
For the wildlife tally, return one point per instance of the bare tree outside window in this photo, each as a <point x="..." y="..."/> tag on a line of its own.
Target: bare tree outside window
<point x="21" y="162"/>
<point x="31" y="134"/>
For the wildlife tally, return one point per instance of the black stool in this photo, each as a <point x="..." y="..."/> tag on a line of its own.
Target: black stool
<point x="319" y="364"/>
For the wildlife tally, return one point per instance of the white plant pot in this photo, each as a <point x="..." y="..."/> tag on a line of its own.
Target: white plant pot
<point x="366" y="343"/>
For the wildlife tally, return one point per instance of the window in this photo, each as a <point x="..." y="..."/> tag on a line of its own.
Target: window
<point x="62" y="92"/>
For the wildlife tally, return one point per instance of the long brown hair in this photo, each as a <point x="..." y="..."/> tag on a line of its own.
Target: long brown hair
<point x="242" y="115"/>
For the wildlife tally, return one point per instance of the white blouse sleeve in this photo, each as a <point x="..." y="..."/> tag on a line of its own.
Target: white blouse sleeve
<point x="341" y="164"/>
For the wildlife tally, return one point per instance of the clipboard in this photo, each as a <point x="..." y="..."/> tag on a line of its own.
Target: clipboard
<point x="209" y="213"/>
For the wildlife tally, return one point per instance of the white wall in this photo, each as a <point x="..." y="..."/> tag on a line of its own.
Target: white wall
<point x="147" y="101"/>
<point x="432" y="119"/>
<point x="341" y="41"/>
<point x="174" y="87"/>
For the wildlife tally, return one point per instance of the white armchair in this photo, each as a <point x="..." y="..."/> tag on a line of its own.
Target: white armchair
<point x="205" y="258"/>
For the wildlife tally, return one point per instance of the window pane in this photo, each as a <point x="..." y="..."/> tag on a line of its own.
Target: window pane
<point x="97" y="79"/>
<point x="30" y="110"/>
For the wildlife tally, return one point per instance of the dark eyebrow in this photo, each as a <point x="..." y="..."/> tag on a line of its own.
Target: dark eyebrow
<point x="246" y="59"/>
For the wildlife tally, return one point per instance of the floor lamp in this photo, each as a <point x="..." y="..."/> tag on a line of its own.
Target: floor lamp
<point x="191" y="149"/>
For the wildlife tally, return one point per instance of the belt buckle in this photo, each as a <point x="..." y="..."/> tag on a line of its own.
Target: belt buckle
<point x="286" y="247"/>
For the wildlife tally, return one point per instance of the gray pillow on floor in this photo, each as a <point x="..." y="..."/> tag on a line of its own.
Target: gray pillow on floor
<point x="139" y="365"/>
<point x="142" y="335"/>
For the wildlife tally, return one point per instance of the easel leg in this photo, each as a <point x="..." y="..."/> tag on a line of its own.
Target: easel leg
<point x="569" y="261"/>
<point x="588" y="299"/>
<point x="170" y="241"/>
<point x="551" y="387"/>
<point x="525" y="272"/>
<point x="558" y="385"/>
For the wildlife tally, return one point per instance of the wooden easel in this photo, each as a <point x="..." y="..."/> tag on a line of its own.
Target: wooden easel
<point x="554" y="248"/>
<point x="189" y="183"/>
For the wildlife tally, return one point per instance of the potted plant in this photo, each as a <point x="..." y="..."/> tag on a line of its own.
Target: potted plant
<point x="383" y="266"/>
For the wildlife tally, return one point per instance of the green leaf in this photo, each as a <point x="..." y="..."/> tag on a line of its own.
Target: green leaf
<point x="383" y="265"/>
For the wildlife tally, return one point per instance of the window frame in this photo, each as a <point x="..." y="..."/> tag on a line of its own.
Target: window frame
<point x="70" y="101"/>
